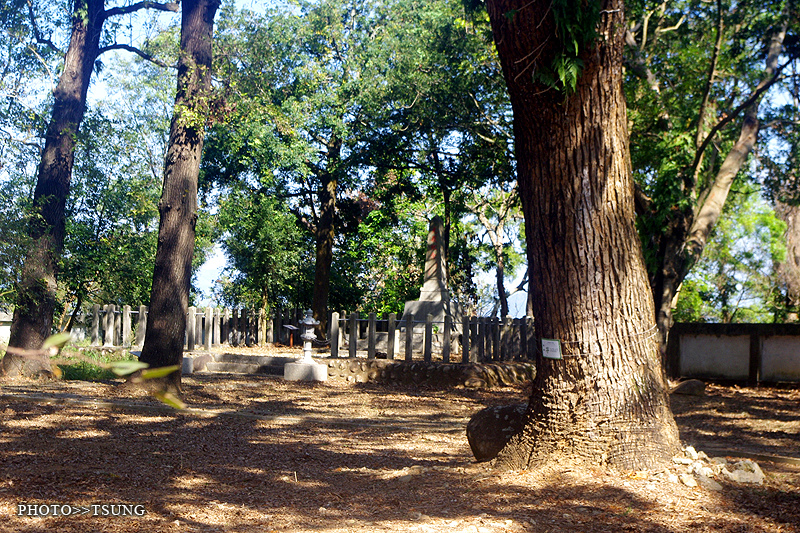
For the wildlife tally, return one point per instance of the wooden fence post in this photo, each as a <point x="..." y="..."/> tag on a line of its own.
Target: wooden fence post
<point x="244" y="328"/>
<point x="465" y="339"/>
<point x="234" y="328"/>
<point x="481" y="339"/>
<point x="95" y="324"/>
<point x="390" y="336"/>
<point x="191" y="332"/>
<point x="117" y="328"/>
<point x="505" y="341"/>
<point x="334" y="334"/>
<point x="496" y="339"/>
<point x="141" y="326"/>
<point x="530" y="338"/>
<point x="225" y="326"/>
<point x="108" y="337"/>
<point x="353" y="341"/>
<point x="216" y="339"/>
<point x="269" y="332"/>
<point x="126" y="325"/>
<point x="428" y="338"/>
<point x="410" y="337"/>
<point x="371" y="336"/>
<point x="207" y="329"/>
<point x="261" y="330"/>
<point x="198" y="327"/>
<point x="277" y="328"/>
<point x="448" y="322"/>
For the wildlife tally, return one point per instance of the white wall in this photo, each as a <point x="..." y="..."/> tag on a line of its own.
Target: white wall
<point x="715" y="356"/>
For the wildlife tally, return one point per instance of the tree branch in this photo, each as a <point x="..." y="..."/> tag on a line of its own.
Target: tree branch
<point x="704" y="105"/>
<point x="173" y="7"/>
<point x="637" y="63"/>
<point x="36" y="32"/>
<point x="128" y="48"/>
<point x="642" y="203"/>
<point x="711" y="207"/>
<point x="760" y="90"/>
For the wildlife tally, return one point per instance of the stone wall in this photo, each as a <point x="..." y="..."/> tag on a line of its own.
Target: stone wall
<point x="473" y="375"/>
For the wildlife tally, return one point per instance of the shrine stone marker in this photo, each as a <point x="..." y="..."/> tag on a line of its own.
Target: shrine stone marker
<point x="434" y="298"/>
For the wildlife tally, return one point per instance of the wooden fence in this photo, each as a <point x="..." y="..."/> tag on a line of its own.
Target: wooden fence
<point x="488" y="339"/>
<point x="112" y="325"/>
<point x="477" y="339"/>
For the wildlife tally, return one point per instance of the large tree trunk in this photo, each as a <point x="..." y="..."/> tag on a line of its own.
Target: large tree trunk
<point x="606" y="400"/>
<point x="169" y="298"/>
<point x="36" y="291"/>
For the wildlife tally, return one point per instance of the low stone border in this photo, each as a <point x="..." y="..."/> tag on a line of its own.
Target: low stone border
<point x="473" y="375"/>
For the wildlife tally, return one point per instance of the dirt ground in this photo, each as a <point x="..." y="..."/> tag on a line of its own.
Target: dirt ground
<point x="258" y="454"/>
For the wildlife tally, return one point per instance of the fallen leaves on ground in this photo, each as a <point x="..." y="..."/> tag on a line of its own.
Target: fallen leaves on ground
<point x="258" y="454"/>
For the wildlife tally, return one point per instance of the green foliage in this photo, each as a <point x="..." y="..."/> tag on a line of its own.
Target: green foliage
<point x="112" y="218"/>
<point x="734" y="282"/>
<point x="385" y="258"/>
<point x="576" y="30"/>
<point x="92" y="364"/>
<point x="97" y="365"/>
<point x="393" y="102"/>
<point x="15" y="195"/>
<point x="676" y="42"/>
<point x="85" y="371"/>
<point x="26" y="68"/>
<point x="262" y="241"/>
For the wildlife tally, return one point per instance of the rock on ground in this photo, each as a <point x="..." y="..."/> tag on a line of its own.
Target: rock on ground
<point x="490" y="429"/>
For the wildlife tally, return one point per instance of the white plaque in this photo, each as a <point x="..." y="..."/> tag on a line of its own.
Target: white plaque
<point x="551" y="348"/>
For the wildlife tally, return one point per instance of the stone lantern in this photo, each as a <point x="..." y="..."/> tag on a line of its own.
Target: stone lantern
<point x="308" y="336"/>
<point x="305" y="369"/>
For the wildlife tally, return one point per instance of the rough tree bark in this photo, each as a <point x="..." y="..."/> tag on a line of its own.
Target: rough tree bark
<point x="169" y="297"/>
<point x="325" y="233"/>
<point x="606" y="400"/>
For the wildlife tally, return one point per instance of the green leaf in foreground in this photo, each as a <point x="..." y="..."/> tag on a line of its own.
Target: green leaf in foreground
<point x="159" y="372"/>
<point x="58" y="340"/>
<point x="169" y="399"/>
<point x="123" y="368"/>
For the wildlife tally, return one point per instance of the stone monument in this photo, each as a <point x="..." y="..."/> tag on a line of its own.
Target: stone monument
<point x="434" y="298"/>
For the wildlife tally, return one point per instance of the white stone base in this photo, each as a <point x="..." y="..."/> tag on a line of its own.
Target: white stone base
<point x="301" y="371"/>
<point x="187" y="365"/>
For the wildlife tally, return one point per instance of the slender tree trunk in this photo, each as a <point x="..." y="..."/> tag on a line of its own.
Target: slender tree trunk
<point x="36" y="292"/>
<point x="73" y="317"/>
<point x="683" y="243"/>
<point x="325" y="234"/>
<point x="606" y="400"/>
<point x="169" y="299"/>
<point x="500" y="269"/>
<point x="789" y="270"/>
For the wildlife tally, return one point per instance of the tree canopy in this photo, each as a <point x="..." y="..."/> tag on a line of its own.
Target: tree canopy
<point x="338" y="128"/>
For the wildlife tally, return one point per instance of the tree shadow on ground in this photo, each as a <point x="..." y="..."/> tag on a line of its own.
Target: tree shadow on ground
<point x="317" y="468"/>
<point x="749" y="419"/>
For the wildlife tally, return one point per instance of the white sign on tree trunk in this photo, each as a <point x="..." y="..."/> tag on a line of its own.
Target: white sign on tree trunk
<point x="551" y="348"/>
